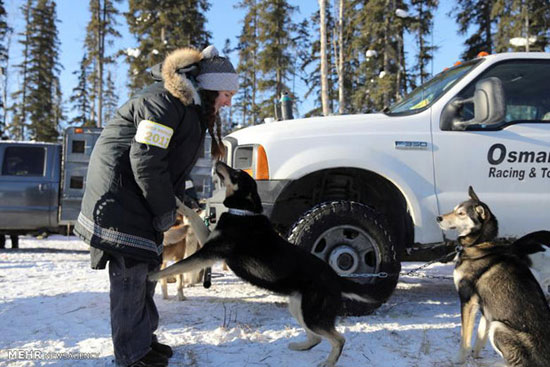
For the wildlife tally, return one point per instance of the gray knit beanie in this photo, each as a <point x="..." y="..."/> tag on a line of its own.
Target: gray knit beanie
<point x="216" y="72"/>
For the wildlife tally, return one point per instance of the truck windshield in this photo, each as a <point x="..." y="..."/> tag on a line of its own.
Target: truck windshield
<point x="429" y="92"/>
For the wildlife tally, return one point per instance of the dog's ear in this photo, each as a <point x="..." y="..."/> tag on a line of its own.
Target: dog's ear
<point x="482" y="211"/>
<point x="472" y="194"/>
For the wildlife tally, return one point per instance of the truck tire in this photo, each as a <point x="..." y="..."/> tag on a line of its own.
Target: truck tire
<point x="354" y="240"/>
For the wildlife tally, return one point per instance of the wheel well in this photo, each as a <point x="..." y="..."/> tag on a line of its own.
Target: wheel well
<point x="345" y="184"/>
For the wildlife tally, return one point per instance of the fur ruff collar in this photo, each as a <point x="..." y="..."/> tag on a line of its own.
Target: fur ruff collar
<point x="178" y="84"/>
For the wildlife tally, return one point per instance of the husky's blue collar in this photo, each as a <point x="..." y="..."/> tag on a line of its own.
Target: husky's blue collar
<point x="242" y="212"/>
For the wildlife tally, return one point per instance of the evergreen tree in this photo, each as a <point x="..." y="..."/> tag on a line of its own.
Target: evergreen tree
<point x="58" y="104"/>
<point x="357" y="83"/>
<point x="505" y="13"/>
<point x="276" y="57"/>
<point x="100" y="31"/>
<point x="247" y="68"/>
<point x="345" y="18"/>
<point x="309" y="53"/>
<point x="80" y="99"/>
<point x="44" y="98"/>
<point x="521" y="19"/>
<point x="161" y="27"/>
<point x="381" y="78"/>
<point x="539" y="19"/>
<point x="226" y="119"/>
<point x="375" y="77"/>
<point x="423" y="27"/>
<point x="476" y="14"/>
<point x="307" y="48"/>
<point x="5" y="32"/>
<point x="110" y="98"/>
<point x="19" y="121"/>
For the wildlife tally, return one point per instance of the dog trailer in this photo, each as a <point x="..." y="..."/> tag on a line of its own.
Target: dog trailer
<point x="78" y="144"/>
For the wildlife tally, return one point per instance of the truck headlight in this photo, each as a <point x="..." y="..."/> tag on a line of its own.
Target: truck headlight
<point x="253" y="160"/>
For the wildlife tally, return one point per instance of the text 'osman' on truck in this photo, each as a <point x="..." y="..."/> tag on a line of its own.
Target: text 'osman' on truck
<point x="362" y="191"/>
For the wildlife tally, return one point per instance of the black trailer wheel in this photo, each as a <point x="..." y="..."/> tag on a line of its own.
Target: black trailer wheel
<point x="354" y="240"/>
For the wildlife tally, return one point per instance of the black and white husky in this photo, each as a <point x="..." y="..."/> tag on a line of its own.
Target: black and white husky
<point x="494" y="277"/>
<point x="247" y="242"/>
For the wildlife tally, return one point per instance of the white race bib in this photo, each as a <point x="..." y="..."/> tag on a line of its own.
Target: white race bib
<point x="152" y="133"/>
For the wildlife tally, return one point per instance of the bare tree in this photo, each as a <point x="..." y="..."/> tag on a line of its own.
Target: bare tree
<point x="99" y="30"/>
<point x="4" y="71"/>
<point x="340" y="60"/>
<point x="324" y="57"/>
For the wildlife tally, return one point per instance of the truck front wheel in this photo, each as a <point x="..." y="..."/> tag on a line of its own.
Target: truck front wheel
<point x="354" y="240"/>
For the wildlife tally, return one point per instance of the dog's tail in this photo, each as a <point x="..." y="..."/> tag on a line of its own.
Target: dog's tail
<point x="531" y="243"/>
<point x="539" y="237"/>
<point x="367" y="293"/>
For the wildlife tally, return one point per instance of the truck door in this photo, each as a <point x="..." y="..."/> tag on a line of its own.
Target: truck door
<point x="28" y="188"/>
<point x="507" y="164"/>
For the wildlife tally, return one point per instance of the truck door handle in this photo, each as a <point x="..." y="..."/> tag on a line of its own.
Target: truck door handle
<point x="42" y="187"/>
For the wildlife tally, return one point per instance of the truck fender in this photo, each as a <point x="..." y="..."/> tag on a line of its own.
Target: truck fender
<point x="417" y="190"/>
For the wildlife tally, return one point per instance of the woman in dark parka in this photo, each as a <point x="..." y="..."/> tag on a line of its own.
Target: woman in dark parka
<point x="138" y="166"/>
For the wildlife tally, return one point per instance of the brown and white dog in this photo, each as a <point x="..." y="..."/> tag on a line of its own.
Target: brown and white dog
<point x="494" y="277"/>
<point x="180" y="241"/>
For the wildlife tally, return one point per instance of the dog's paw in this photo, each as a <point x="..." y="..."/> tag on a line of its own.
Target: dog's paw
<point x="305" y="345"/>
<point x="460" y="359"/>
<point x="326" y="364"/>
<point x="476" y="354"/>
<point x="296" y="346"/>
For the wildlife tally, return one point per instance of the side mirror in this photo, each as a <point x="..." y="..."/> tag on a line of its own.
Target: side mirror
<point x="489" y="105"/>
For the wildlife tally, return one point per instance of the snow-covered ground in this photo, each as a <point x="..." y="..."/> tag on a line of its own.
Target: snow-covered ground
<point x="54" y="307"/>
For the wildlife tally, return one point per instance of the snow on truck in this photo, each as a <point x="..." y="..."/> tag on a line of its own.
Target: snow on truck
<point x="363" y="191"/>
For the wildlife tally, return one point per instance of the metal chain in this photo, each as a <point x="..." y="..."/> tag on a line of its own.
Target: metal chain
<point x="429" y="276"/>
<point x="383" y="275"/>
<point x="366" y="275"/>
<point x="416" y="270"/>
<point x="409" y="273"/>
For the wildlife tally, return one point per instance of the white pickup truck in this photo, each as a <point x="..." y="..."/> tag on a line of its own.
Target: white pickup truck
<point x="361" y="191"/>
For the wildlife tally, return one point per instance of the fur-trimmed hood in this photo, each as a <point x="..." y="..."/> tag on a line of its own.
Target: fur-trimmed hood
<point x="173" y="71"/>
